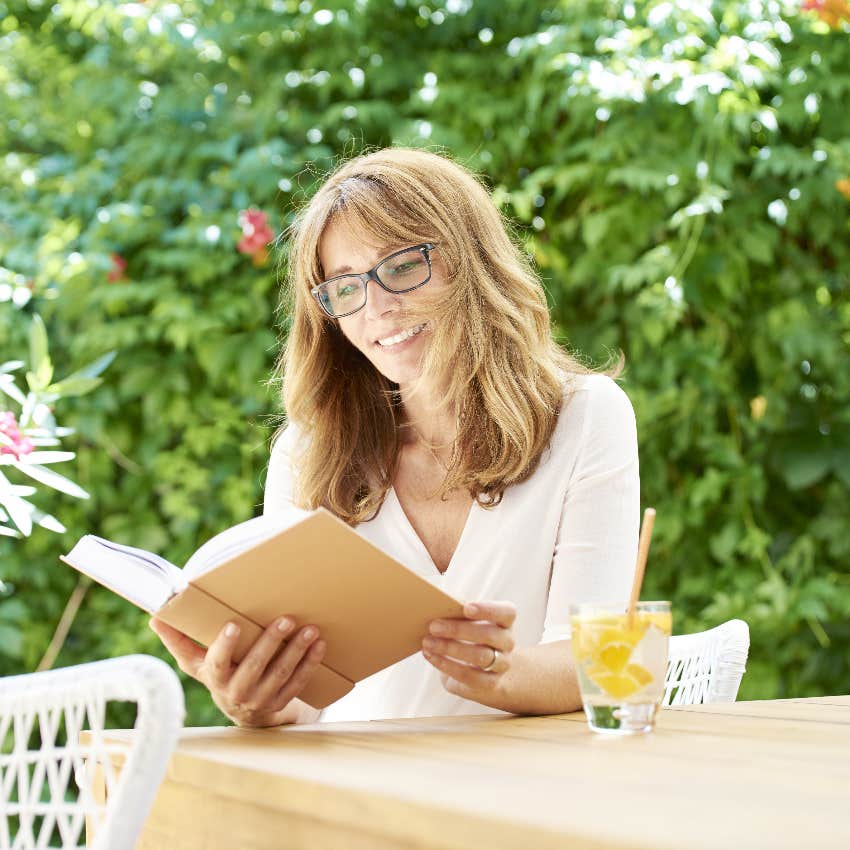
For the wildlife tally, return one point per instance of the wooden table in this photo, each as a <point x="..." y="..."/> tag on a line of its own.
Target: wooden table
<point x="771" y="774"/>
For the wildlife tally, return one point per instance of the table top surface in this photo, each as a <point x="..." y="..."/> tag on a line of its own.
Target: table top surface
<point x="749" y="774"/>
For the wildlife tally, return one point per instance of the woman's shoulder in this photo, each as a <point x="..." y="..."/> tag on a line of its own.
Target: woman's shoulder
<point x="288" y="437"/>
<point x="286" y="447"/>
<point x="596" y="422"/>
<point x="285" y="436"/>
<point x="595" y="391"/>
<point x="594" y="405"/>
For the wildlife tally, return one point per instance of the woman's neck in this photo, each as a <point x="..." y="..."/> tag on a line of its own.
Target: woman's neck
<point x="428" y="420"/>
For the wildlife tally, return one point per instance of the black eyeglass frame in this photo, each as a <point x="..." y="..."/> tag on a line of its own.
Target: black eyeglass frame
<point x="372" y="274"/>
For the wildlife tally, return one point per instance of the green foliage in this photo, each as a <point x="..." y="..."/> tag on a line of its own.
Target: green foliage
<point x="672" y="170"/>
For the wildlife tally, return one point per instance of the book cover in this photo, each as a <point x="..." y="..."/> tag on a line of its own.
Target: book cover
<point x="371" y="610"/>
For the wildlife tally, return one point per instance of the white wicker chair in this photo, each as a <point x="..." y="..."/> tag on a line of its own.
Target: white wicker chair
<point x="52" y="783"/>
<point x="707" y="666"/>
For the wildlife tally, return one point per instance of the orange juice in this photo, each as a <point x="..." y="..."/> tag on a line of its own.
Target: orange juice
<point x="622" y="663"/>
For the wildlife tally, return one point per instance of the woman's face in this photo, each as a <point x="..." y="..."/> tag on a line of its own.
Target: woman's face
<point x="372" y="328"/>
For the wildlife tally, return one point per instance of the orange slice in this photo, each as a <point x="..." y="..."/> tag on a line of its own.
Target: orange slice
<point x="622" y="634"/>
<point x="620" y="685"/>
<point x="614" y="656"/>
<point x="640" y="674"/>
<point x="617" y="685"/>
<point x="584" y="644"/>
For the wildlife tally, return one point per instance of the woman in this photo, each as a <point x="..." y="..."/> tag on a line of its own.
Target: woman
<point x="429" y="406"/>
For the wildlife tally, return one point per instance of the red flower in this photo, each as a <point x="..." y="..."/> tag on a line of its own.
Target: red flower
<point x="831" y="12"/>
<point x="21" y="445"/>
<point x="119" y="266"/>
<point x="256" y="235"/>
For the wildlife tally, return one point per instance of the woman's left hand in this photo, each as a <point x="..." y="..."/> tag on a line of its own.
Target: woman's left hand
<point x="473" y="654"/>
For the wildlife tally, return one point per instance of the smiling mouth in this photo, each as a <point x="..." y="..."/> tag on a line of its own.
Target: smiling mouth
<point x="401" y="336"/>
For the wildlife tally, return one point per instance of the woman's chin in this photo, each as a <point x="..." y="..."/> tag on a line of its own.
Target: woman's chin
<point x="398" y="375"/>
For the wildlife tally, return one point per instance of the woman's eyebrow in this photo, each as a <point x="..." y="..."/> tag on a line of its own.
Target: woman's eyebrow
<point x="381" y="254"/>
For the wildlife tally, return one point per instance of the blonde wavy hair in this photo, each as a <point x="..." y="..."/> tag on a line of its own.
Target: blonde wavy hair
<point x="504" y="378"/>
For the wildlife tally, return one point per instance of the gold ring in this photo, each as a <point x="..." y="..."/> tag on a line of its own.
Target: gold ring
<point x="492" y="664"/>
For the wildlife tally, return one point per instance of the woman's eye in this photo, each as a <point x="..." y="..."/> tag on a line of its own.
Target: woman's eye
<point x="405" y="268"/>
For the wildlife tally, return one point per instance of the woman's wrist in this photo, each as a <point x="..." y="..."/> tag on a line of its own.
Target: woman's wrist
<point x="295" y="711"/>
<point x="542" y="680"/>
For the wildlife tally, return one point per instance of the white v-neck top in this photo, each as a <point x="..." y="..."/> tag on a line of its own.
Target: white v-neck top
<point x="567" y="534"/>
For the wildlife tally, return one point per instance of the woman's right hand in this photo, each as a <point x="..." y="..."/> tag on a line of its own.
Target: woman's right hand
<point x="257" y="690"/>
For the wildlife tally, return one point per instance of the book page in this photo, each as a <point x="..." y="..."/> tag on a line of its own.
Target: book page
<point x="238" y="538"/>
<point x="144" y="578"/>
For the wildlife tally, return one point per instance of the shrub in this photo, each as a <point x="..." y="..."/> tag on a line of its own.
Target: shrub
<point x="679" y="175"/>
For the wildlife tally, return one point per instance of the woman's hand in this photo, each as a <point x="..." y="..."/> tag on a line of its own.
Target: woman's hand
<point x="474" y="654"/>
<point x="257" y="690"/>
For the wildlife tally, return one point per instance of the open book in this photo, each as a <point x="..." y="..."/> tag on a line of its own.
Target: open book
<point x="370" y="609"/>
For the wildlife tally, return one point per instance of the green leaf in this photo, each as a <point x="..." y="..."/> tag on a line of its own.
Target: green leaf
<point x="73" y="387"/>
<point x="93" y="369"/>
<point x="725" y="541"/>
<point x="12" y="640"/>
<point x="709" y="201"/>
<point x="802" y="468"/>
<point x="41" y="368"/>
<point x="841" y="461"/>
<point x="595" y="227"/>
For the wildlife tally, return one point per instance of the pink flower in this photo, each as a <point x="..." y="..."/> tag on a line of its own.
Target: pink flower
<point x="21" y="445"/>
<point x="256" y="234"/>
<point x="119" y="266"/>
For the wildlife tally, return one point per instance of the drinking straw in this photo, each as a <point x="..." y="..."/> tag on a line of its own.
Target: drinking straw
<point x="643" y="551"/>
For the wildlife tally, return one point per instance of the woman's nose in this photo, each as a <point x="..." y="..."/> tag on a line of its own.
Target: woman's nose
<point x="379" y="302"/>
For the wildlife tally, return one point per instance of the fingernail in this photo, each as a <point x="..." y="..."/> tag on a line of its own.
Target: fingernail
<point x="309" y="633"/>
<point x="438" y="628"/>
<point x="284" y="624"/>
<point x="231" y="630"/>
<point x="472" y="610"/>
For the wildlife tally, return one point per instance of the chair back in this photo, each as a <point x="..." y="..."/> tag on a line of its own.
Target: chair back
<point x="707" y="666"/>
<point x="61" y="776"/>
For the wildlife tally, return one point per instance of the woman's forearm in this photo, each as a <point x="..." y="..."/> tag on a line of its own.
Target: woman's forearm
<point x="542" y="680"/>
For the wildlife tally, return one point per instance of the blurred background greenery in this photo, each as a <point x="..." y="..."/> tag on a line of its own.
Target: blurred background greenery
<point x="679" y="172"/>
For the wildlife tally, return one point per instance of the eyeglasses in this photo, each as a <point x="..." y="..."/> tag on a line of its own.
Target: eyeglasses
<point x="402" y="271"/>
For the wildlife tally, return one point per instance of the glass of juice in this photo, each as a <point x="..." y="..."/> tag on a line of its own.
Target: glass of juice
<point x="622" y="663"/>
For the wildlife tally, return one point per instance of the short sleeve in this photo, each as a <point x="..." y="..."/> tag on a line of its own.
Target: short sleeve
<point x="280" y="480"/>
<point x="596" y="546"/>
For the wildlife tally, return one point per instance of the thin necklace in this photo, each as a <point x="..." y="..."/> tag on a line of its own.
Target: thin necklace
<point x="430" y="448"/>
